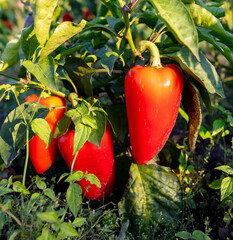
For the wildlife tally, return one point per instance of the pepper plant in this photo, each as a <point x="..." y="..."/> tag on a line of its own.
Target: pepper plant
<point x="85" y="62"/>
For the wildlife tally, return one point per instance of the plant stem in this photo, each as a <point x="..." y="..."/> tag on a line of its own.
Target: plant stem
<point x="27" y="156"/>
<point x="128" y="34"/>
<point x="10" y="214"/>
<point x="154" y="52"/>
<point x="72" y="166"/>
<point x="33" y="84"/>
<point x="17" y="100"/>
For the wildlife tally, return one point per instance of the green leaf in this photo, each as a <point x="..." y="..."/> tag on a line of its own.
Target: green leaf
<point x="203" y="18"/>
<point x="197" y="235"/>
<point x="63" y="176"/>
<point x="74" y="197"/>
<point x="81" y="74"/>
<point x="41" y="184"/>
<point x="50" y="193"/>
<point x="49" y="217"/>
<point x="226" y="187"/>
<point x="89" y="121"/>
<point x="224" y="49"/>
<point x="4" y="191"/>
<point x="41" y="127"/>
<point x="216" y="184"/>
<point x="13" y="130"/>
<point x="152" y="200"/>
<point x="10" y="55"/>
<point x="61" y="34"/>
<point x="118" y="118"/>
<point x="100" y="116"/>
<point x="76" y="176"/>
<point x="29" y="42"/>
<point x="3" y="90"/>
<point x="204" y="133"/>
<point x="43" y="18"/>
<point x="183" y="235"/>
<point x="225" y="168"/>
<point x="93" y="179"/>
<point x="44" y="71"/>
<point x="19" y="187"/>
<point x="75" y="115"/>
<point x="68" y="230"/>
<point x="62" y="126"/>
<point x="218" y="126"/>
<point x="46" y="235"/>
<point x="202" y="71"/>
<point x="179" y="21"/>
<point x="82" y="133"/>
<point x="78" y="222"/>
<point x="108" y="60"/>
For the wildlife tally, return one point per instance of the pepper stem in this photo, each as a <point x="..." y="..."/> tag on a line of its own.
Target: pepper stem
<point x="154" y="52"/>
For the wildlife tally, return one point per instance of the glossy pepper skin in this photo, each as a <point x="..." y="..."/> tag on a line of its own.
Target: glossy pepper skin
<point x="41" y="157"/>
<point x="92" y="159"/>
<point x="153" y="98"/>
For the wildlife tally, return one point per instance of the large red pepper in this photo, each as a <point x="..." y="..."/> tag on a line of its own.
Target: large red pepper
<point x="41" y="157"/>
<point x="153" y="98"/>
<point x="94" y="160"/>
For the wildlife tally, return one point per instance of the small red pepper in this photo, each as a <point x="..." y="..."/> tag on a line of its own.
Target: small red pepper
<point x="41" y="157"/>
<point x="94" y="160"/>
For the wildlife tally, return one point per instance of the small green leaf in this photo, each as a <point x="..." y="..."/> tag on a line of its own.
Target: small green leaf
<point x="218" y="126"/>
<point x="40" y="184"/>
<point x="183" y="235"/>
<point x="49" y="217"/>
<point x="10" y="55"/>
<point x="63" y="176"/>
<point x="68" y="230"/>
<point x="29" y="42"/>
<point x="82" y="133"/>
<point x="226" y="187"/>
<point x="62" y="126"/>
<point x="89" y="121"/>
<point x="76" y="176"/>
<point x="46" y="235"/>
<point x="75" y="115"/>
<point x="216" y="184"/>
<point x="108" y="60"/>
<point x="44" y="71"/>
<point x="197" y="235"/>
<point x="96" y="134"/>
<point x="93" y="179"/>
<point x="225" y="168"/>
<point x="4" y="191"/>
<point x="43" y="18"/>
<point x="78" y="222"/>
<point x="118" y="119"/>
<point x="19" y="187"/>
<point x="41" y="128"/>
<point x="81" y="74"/>
<point x="50" y="193"/>
<point x="74" y="197"/>
<point x="61" y="34"/>
<point x="204" y="133"/>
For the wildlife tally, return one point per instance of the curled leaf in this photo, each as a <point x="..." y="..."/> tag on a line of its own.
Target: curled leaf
<point x="194" y="111"/>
